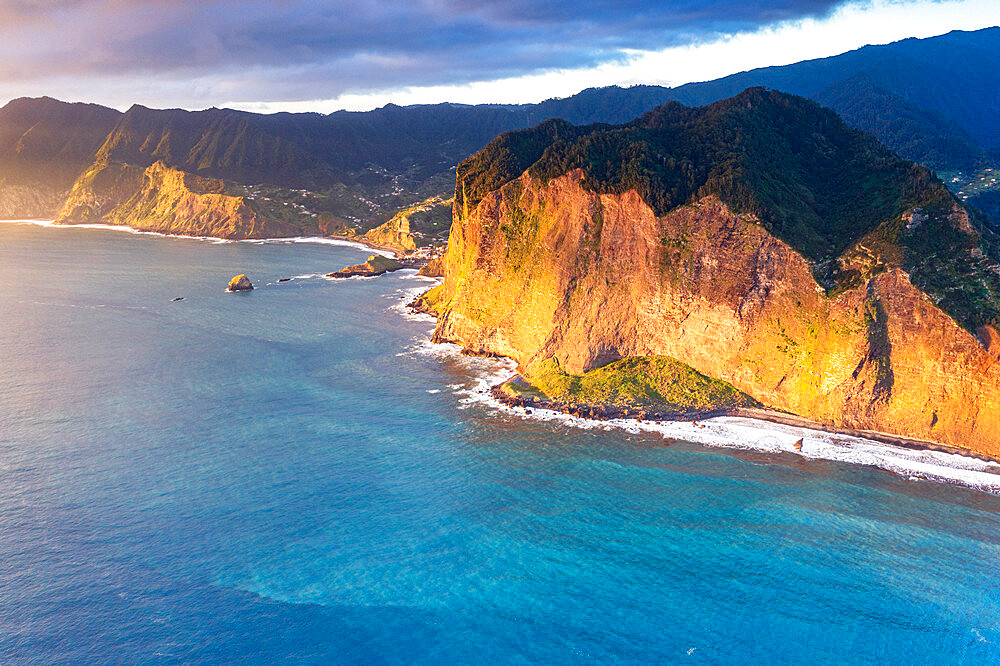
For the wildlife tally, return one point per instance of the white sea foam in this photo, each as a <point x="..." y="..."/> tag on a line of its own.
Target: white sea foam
<point x="731" y="432"/>
<point x="414" y="274"/>
<point x="406" y="296"/>
<point x="51" y="224"/>
<point x="725" y="432"/>
<point x="408" y="313"/>
<point x="322" y="240"/>
<point x="347" y="279"/>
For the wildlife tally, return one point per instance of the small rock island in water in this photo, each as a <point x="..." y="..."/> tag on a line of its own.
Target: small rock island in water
<point x="374" y="265"/>
<point x="240" y="283"/>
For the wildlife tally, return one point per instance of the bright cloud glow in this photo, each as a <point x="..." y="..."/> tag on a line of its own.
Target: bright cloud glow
<point x="849" y="27"/>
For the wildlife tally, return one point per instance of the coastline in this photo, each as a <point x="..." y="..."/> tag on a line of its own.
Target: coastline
<point x="359" y="240"/>
<point x="757" y="429"/>
<point x="751" y="429"/>
<point x="322" y="240"/>
<point x="756" y="413"/>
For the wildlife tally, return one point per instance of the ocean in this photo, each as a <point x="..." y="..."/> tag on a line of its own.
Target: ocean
<point x="296" y="474"/>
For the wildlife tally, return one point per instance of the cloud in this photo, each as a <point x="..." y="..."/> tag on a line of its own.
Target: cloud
<point x="198" y="53"/>
<point x="323" y="56"/>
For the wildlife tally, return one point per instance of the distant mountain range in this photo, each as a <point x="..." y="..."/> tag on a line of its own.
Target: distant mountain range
<point x="935" y="101"/>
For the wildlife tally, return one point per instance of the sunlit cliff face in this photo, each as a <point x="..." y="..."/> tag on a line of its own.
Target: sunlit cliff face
<point x="555" y="271"/>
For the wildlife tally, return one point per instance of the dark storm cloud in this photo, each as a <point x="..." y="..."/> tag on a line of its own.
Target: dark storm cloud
<point x="304" y="50"/>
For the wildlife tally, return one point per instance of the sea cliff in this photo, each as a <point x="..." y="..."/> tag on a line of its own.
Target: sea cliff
<point x="872" y="328"/>
<point x="167" y="200"/>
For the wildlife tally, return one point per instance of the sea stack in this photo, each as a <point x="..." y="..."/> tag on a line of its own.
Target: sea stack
<point x="240" y="283"/>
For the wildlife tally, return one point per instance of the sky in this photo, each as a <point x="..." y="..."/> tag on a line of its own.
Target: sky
<point x="297" y="55"/>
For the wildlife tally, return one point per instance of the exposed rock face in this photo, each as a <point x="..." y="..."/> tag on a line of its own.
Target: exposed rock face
<point x="428" y="221"/>
<point x="990" y="339"/>
<point x="29" y="201"/>
<point x="376" y="264"/>
<point x="537" y="270"/>
<point x="394" y="235"/>
<point x="160" y="198"/>
<point x="240" y="283"/>
<point x="99" y="190"/>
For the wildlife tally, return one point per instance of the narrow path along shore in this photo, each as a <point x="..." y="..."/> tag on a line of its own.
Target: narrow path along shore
<point x="653" y="415"/>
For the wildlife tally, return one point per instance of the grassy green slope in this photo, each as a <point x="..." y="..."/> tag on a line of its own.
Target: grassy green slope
<point x="650" y="382"/>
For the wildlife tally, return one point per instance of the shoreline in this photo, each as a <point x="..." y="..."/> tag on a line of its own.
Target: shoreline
<point x="753" y="429"/>
<point x="366" y="243"/>
<point x="341" y="241"/>
<point x="757" y="429"/>
<point x="774" y="433"/>
<point x="653" y="415"/>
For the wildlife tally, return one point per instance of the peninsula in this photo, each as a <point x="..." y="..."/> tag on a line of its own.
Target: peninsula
<point x="756" y="251"/>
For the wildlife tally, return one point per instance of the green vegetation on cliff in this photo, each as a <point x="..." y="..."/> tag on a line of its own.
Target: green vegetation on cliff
<point x="809" y="178"/>
<point x="219" y="143"/>
<point x="45" y="142"/>
<point x="931" y="100"/>
<point x="44" y="146"/>
<point x="506" y="157"/>
<point x="658" y="382"/>
<point x="914" y="132"/>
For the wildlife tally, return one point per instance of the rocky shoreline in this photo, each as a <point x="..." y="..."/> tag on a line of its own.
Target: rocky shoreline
<point x="377" y="265"/>
<point x="654" y="415"/>
<point x="359" y="240"/>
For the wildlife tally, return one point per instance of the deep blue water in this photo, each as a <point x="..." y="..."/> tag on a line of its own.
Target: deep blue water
<point x="255" y="477"/>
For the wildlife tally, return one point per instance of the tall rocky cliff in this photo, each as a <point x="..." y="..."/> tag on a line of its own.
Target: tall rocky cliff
<point x="167" y="200"/>
<point x="163" y="171"/>
<point x="759" y="240"/>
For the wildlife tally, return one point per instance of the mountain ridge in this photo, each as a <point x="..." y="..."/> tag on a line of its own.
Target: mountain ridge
<point x="570" y="262"/>
<point x="361" y="168"/>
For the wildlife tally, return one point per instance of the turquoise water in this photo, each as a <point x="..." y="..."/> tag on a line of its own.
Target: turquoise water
<point x="284" y="475"/>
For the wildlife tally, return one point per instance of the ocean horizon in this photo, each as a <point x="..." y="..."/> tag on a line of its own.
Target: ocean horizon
<point x="298" y="473"/>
